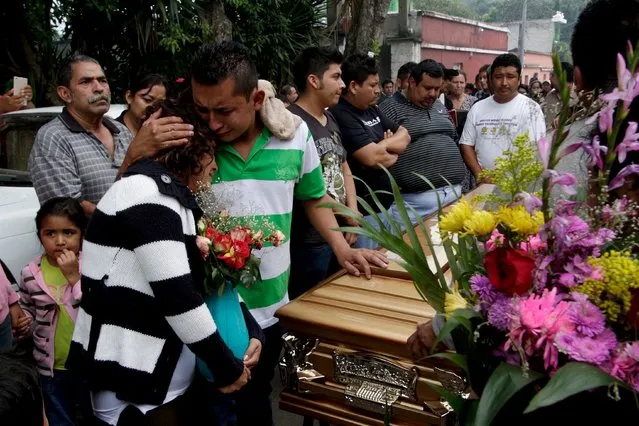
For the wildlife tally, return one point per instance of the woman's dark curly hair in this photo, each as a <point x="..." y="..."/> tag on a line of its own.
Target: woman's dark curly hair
<point x="185" y="160"/>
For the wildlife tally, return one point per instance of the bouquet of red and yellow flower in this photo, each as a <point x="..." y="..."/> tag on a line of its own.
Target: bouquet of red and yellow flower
<point x="227" y="247"/>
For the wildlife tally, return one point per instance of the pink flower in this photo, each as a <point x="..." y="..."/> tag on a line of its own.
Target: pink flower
<point x="179" y="80"/>
<point x="595" y="150"/>
<point x="629" y="142"/>
<point x="536" y="322"/>
<point x="530" y="202"/>
<point x="496" y="240"/>
<point x="620" y="179"/>
<point x="543" y="145"/>
<point x="625" y="366"/>
<point x="565" y="179"/>
<point x="627" y="86"/>
<point x="204" y="244"/>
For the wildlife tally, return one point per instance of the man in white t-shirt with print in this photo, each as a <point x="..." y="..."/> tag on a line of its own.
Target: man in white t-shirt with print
<point x="494" y="123"/>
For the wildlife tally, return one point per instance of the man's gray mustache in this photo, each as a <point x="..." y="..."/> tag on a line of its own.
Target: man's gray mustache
<point x="96" y="98"/>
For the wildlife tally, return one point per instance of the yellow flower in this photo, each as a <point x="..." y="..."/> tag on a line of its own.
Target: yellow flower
<point x="518" y="220"/>
<point x="454" y="301"/>
<point x="480" y="224"/>
<point x="453" y="221"/>
<point x="612" y="293"/>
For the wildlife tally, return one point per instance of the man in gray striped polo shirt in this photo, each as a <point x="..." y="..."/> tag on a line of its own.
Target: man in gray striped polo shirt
<point x="433" y="152"/>
<point x="78" y="153"/>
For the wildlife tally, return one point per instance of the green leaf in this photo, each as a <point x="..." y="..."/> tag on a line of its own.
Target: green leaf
<point x="466" y="313"/>
<point x="457" y="359"/>
<point x="571" y="379"/>
<point x="505" y="382"/>
<point x="452" y="323"/>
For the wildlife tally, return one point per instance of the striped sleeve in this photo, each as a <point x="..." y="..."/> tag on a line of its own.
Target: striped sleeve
<point x="26" y="303"/>
<point x="311" y="184"/>
<point x="159" y="245"/>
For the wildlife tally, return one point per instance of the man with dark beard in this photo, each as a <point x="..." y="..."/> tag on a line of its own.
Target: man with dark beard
<point x="78" y="153"/>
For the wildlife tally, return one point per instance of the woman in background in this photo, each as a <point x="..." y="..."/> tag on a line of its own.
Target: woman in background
<point x="143" y="92"/>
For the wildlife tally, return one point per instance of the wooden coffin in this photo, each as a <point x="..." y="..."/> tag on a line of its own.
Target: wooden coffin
<point x="346" y="360"/>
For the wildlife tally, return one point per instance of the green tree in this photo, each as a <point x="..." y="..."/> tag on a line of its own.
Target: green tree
<point x="140" y="36"/>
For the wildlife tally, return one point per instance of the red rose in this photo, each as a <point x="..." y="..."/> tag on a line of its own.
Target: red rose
<point x="241" y="234"/>
<point x="236" y="257"/>
<point x="210" y="233"/>
<point x="222" y="243"/>
<point x="510" y="270"/>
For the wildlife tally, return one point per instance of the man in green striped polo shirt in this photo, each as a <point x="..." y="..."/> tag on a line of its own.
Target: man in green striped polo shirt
<point x="258" y="177"/>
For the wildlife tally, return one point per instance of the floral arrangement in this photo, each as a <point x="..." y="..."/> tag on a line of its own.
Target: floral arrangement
<point x="228" y="245"/>
<point x="543" y="298"/>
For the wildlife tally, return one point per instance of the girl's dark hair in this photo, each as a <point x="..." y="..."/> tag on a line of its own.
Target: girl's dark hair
<point x="142" y="82"/>
<point x="62" y="206"/>
<point x="20" y="396"/>
<point x="185" y="160"/>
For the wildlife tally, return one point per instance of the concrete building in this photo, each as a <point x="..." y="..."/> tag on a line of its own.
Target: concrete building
<point x="456" y="42"/>
<point x="538" y="45"/>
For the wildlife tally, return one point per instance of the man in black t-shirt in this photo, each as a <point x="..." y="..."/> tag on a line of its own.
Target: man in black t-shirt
<point x="318" y="76"/>
<point x="370" y="138"/>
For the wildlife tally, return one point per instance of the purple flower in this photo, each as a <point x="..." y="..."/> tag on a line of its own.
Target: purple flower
<point x="576" y="272"/>
<point x="593" y="350"/>
<point x="587" y="318"/>
<point x="543" y="146"/>
<point x="629" y="142"/>
<point x="595" y="150"/>
<point x="620" y="179"/>
<point x="566" y="207"/>
<point x="606" y="118"/>
<point x="625" y="366"/>
<point x="484" y="289"/>
<point x="530" y="202"/>
<point x="565" y="179"/>
<point x="627" y="86"/>
<point x="499" y="312"/>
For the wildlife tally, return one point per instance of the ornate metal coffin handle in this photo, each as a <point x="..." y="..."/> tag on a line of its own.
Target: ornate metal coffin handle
<point x="373" y="383"/>
<point x="294" y="365"/>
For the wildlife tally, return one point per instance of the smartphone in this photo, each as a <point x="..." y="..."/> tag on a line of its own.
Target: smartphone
<point x="19" y="83"/>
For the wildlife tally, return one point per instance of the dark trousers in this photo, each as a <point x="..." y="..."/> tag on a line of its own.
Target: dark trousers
<point x="309" y="266"/>
<point x="62" y="393"/>
<point x="254" y="400"/>
<point x="251" y="406"/>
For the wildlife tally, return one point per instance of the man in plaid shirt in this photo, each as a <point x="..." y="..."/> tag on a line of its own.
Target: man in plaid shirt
<point x="78" y="154"/>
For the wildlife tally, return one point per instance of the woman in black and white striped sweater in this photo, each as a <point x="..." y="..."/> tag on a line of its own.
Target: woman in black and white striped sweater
<point x="142" y="320"/>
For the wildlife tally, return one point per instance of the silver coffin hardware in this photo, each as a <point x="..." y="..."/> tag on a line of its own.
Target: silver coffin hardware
<point x="373" y="383"/>
<point x="294" y="365"/>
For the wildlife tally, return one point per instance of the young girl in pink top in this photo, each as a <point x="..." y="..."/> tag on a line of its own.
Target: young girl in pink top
<point x="50" y="295"/>
<point x="12" y="319"/>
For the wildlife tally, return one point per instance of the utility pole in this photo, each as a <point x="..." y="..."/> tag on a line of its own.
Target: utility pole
<point x="522" y="32"/>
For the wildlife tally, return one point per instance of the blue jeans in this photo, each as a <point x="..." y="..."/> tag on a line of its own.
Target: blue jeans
<point x="61" y="393"/>
<point x="424" y="204"/>
<point x="309" y="266"/>
<point x="6" y="334"/>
